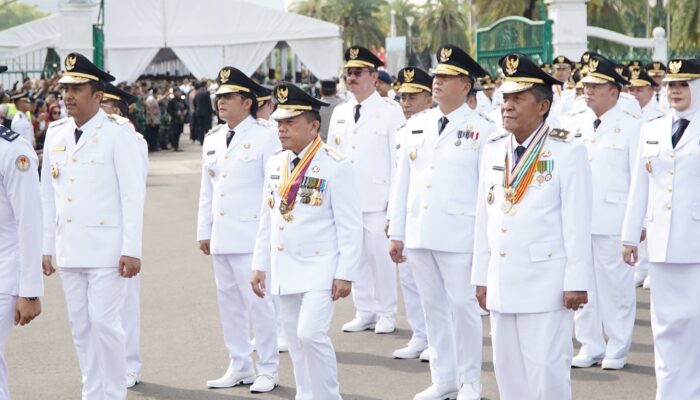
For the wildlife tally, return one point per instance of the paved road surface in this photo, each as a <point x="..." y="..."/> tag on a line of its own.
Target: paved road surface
<point x="182" y="344"/>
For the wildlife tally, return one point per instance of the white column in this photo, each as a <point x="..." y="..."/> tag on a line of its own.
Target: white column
<point x="284" y="62"/>
<point x="76" y="28"/>
<point x="569" y="27"/>
<point x="660" y="44"/>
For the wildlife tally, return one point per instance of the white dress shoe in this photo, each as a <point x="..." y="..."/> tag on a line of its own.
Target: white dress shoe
<point x="412" y="350"/>
<point x="231" y="379"/>
<point x="639" y="278"/>
<point x="132" y="380"/>
<point x="613" y="363"/>
<point x="358" y="325"/>
<point x="425" y="355"/>
<point x="584" y="361"/>
<point x="264" y="384"/>
<point x="438" y="391"/>
<point x="483" y="312"/>
<point x="384" y="325"/>
<point x="282" y="346"/>
<point x="470" y="391"/>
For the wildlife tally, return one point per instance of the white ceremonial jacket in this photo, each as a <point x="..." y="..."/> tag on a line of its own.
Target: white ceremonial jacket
<point x="434" y="199"/>
<point x="232" y="180"/>
<point x="529" y="257"/>
<point x="93" y="193"/>
<point x="322" y="242"/>
<point x="611" y="152"/>
<point x="369" y="144"/>
<point x="666" y="189"/>
<point x="20" y="218"/>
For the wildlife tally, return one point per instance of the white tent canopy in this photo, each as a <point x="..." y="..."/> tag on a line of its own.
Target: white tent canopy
<point x="204" y="34"/>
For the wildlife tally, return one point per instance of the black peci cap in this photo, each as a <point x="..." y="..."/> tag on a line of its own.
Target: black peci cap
<point x="360" y="57"/>
<point x="233" y="80"/>
<point x="454" y="61"/>
<point x="522" y="74"/>
<point x="291" y="101"/>
<point x="114" y="93"/>
<point x="414" y="80"/>
<point x="601" y="70"/>
<point x="80" y="70"/>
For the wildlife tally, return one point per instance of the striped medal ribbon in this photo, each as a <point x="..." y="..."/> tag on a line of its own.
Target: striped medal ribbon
<point x="291" y="180"/>
<point x="516" y="183"/>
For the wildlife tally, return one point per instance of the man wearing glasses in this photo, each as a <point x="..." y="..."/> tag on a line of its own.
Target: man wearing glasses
<point x="364" y="129"/>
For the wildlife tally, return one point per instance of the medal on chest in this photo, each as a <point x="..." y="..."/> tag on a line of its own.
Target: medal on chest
<point x="293" y="181"/>
<point x="54" y="171"/>
<point x="516" y="180"/>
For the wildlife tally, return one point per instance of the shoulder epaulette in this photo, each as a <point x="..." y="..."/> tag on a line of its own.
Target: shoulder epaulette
<point x="138" y="134"/>
<point x="212" y="130"/>
<point x="561" y="134"/>
<point x="656" y="117"/>
<point x="58" y="122"/>
<point x="576" y="112"/>
<point x="278" y="152"/>
<point x="7" y="134"/>
<point x="118" y="119"/>
<point x="263" y="122"/>
<point x="418" y="113"/>
<point x="390" y="101"/>
<point x="486" y="117"/>
<point x="497" y="135"/>
<point x="632" y="113"/>
<point x="335" y="154"/>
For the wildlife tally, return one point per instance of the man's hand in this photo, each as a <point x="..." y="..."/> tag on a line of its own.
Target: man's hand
<point x="574" y="300"/>
<point x="26" y="310"/>
<point x="341" y="289"/>
<point x="257" y="281"/>
<point x="47" y="266"/>
<point x="630" y="254"/>
<point x="204" y="246"/>
<point x="396" y="251"/>
<point x="481" y="297"/>
<point x="129" y="266"/>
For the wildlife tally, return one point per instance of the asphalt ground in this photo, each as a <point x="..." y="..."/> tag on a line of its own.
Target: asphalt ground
<point x="182" y="344"/>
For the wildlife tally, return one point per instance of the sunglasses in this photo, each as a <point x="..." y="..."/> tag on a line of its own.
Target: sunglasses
<point x="354" y="72"/>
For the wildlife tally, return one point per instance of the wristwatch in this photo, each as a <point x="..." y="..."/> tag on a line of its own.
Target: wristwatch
<point x="32" y="298"/>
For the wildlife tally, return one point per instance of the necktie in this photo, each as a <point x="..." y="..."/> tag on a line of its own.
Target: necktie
<point x="596" y="123"/>
<point x="78" y="132"/>
<point x="442" y="123"/>
<point x="657" y="97"/>
<point x="295" y="161"/>
<point x="682" y="124"/>
<point x="229" y="137"/>
<point x="519" y="153"/>
<point x="357" y="112"/>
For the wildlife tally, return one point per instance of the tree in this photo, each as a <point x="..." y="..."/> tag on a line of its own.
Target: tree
<point x="443" y="22"/>
<point x="359" y="19"/>
<point x="13" y="14"/>
<point x="685" y="26"/>
<point x="489" y="11"/>
<point x="310" y="8"/>
<point x="403" y="9"/>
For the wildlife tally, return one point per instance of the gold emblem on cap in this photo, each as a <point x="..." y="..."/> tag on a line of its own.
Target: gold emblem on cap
<point x="512" y="64"/>
<point x="674" y="67"/>
<point x="282" y="93"/>
<point x="619" y="70"/>
<point x="585" y="57"/>
<point x="70" y="62"/>
<point x="445" y="54"/>
<point x="408" y="75"/>
<point x="354" y="52"/>
<point x="593" y="65"/>
<point x="560" y="59"/>
<point x="656" y="65"/>
<point x="224" y="75"/>
<point x="634" y="73"/>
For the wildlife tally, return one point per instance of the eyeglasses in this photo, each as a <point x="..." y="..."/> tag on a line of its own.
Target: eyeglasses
<point x="55" y="113"/>
<point x="354" y="72"/>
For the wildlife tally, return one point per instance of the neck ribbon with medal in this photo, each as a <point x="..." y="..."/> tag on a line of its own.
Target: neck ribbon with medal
<point x="516" y="184"/>
<point x="291" y="180"/>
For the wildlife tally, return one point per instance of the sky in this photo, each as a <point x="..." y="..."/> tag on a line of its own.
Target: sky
<point x="52" y="5"/>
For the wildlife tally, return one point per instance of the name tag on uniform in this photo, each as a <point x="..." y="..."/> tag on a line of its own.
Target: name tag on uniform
<point x="652" y="142"/>
<point x="417" y="132"/>
<point x="274" y="176"/>
<point x="498" y="168"/>
<point x="341" y="121"/>
<point x="210" y="152"/>
<point x="59" y="148"/>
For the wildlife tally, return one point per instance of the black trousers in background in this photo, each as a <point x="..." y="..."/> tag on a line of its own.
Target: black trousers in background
<point x="203" y="125"/>
<point x="175" y="132"/>
<point x="152" y="137"/>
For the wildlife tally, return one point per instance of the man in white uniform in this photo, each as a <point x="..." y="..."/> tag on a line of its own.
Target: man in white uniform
<point x="532" y="262"/>
<point x="21" y="283"/>
<point x="657" y="72"/>
<point x="610" y="135"/>
<point x="93" y="196"/>
<point x="309" y="239"/>
<point x="233" y="167"/>
<point x="20" y="122"/>
<point x="664" y="192"/>
<point x="432" y="217"/>
<point x="364" y="129"/>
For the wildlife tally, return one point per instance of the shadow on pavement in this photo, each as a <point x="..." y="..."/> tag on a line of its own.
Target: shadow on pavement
<point x="162" y="392"/>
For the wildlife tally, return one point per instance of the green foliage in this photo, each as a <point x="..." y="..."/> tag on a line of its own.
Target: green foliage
<point x="13" y="14"/>
<point x="443" y="22"/>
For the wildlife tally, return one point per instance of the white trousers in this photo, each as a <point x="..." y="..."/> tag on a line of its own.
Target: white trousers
<point x="642" y="267"/>
<point x="95" y="298"/>
<point x="611" y="304"/>
<point x="238" y="307"/>
<point x="374" y="293"/>
<point x="532" y="355"/>
<point x="675" y="323"/>
<point x="451" y="318"/>
<point x="131" y="321"/>
<point x="412" y="303"/>
<point x="306" y="319"/>
<point x="7" y="319"/>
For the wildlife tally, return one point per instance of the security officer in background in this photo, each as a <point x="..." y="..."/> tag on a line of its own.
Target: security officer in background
<point x="532" y="262"/>
<point x="364" y="128"/>
<point x="432" y="217"/>
<point x="116" y="101"/>
<point x="664" y="191"/>
<point x="20" y="122"/>
<point x="329" y="94"/>
<point x="21" y="283"/>
<point x="93" y="196"/>
<point x="610" y="135"/>
<point x="233" y="164"/>
<point x="415" y="89"/>
<point x="309" y="239"/>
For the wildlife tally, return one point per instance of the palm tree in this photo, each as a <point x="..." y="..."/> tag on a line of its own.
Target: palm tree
<point x="310" y="8"/>
<point x="489" y="11"/>
<point x="403" y="9"/>
<point x="359" y="19"/>
<point x="685" y="25"/>
<point x="442" y="22"/>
